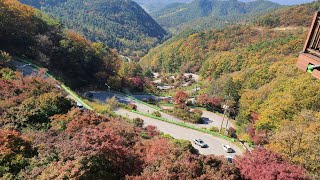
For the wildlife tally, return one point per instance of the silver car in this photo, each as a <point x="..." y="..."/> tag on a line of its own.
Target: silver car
<point x="200" y="143"/>
<point x="227" y="148"/>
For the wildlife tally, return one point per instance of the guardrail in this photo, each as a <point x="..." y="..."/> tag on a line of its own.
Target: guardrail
<point x="186" y="126"/>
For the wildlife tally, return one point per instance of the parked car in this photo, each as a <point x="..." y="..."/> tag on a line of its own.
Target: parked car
<point x="200" y="143"/>
<point x="80" y="106"/>
<point x="230" y="159"/>
<point x="227" y="148"/>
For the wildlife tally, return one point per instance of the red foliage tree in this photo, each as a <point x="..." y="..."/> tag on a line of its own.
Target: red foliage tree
<point x="214" y="101"/>
<point x="165" y="161"/>
<point x="15" y="152"/>
<point x="180" y="97"/>
<point x="202" y="99"/>
<point x="152" y="131"/>
<point x="102" y="150"/>
<point x="263" y="164"/>
<point x="83" y="145"/>
<point x="76" y="120"/>
<point x="136" y="83"/>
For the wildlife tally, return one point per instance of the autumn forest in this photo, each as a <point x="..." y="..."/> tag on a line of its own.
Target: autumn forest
<point x="103" y="90"/>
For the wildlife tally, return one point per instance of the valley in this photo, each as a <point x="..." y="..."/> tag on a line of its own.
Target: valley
<point x="202" y="89"/>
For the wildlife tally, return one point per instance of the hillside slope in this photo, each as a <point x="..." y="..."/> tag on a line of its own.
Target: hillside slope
<point x="28" y="33"/>
<point x="120" y="24"/>
<point x="199" y="13"/>
<point x="257" y="62"/>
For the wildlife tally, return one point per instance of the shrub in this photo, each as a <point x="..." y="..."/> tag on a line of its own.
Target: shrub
<point x="167" y="136"/>
<point x="113" y="103"/>
<point x="196" y="118"/>
<point x="214" y="129"/>
<point x="144" y="135"/>
<point x="132" y="106"/>
<point x="180" y="97"/>
<point x="99" y="107"/>
<point x="4" y="57"/>
<point x="152" y="131"/>
<point x="185" y="114"/>
<point x="190" y="103"/>
<point x="184" y="145"/>
<point x="156" y="113"/>
<point x="138" y="122"/>
<point x="7" y="74"/>
<point x="232" y="132"/>
<point x="198" y="111"/>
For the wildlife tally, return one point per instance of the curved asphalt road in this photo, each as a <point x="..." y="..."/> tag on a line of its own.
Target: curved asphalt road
<point x="214" y="143"/>
<point x="178" y="132"/>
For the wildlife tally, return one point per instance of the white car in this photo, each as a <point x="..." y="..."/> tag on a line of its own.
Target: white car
<point x="227" y="148"/>
<point x="80" y="106"/>
<point x="200" y="143"/>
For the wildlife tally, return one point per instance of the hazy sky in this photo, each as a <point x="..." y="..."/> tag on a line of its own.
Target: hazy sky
<point x="288" y="2"/>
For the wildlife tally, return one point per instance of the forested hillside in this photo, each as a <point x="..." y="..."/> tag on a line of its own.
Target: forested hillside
<point x="206" y="14"/>
<point x="276" y="104"/>
<point x="43" y="136"/>
<point x="28" y="33"/>
<point x="120" y="24"/>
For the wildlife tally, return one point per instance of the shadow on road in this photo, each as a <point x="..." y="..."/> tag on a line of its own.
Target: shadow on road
<point x="206" y="120"/>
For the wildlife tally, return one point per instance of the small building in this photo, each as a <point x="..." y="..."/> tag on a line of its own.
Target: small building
<point x="309" y="58"/>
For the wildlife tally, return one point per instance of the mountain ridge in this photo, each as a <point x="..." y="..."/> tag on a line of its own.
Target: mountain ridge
<point x="175" y="16"/>
<point x="120" y="24"/>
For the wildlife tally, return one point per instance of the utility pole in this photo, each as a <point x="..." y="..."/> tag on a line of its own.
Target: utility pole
<point x="228" y="116"/>
<point x="225" y="108"/>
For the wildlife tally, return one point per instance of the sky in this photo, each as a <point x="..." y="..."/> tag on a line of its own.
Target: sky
<point x="289" y="2"/>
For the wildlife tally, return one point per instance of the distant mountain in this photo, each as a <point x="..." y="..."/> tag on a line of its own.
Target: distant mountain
<point x="209" y="13"/>
<point x="120" y="24"/>
<point x="155" y="5"/>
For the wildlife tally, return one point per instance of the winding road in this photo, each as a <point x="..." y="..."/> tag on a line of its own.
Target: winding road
<point x="214" y="143"/>
<point x="178" y="132"/>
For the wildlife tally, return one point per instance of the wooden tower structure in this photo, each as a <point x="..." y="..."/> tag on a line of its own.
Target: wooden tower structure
<point x="309" y="58"/>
